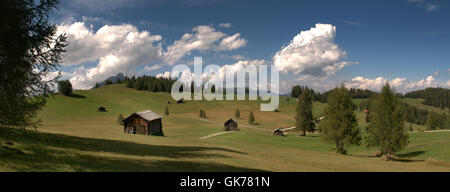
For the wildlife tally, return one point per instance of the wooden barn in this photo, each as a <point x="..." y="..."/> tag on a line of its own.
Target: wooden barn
<point x="144" y="123"/>
<point x="278" y="132"/>
<point x="231" y="125"/>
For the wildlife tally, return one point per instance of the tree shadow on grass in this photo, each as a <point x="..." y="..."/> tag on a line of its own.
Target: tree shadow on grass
<point x="77" y="96"/>
<point x="411" y="154"/>
<point x="48" y="159"/>
<point x="55" y="152"/>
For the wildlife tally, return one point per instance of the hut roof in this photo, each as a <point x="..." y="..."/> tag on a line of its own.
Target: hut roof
<point x="230" y="119"/>
<point x="147" y="115"/>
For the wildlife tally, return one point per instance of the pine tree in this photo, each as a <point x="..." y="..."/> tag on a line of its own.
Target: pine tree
<point x="432" y="121"/>
<point x="386" y="130"/>
<point x="237" y="114"/>
<point x="201" y="113"/>
<point x="30" y="49"/>
<point x="304" y="118"/>
<point x="166" y="111"/>
<point x="251" y="118"/>
<point x="447" y="123"/>
<point x="339" y="125"/>
<point x="65" y="87"/>
<point x="120" y="119"/>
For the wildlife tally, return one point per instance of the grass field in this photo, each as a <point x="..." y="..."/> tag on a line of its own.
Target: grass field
<point x="75" y="137"/>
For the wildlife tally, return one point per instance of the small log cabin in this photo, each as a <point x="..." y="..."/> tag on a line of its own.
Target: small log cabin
<point x="278" y="132"/>
<point x="144" y="123"/>
<point x="231" y="125"/>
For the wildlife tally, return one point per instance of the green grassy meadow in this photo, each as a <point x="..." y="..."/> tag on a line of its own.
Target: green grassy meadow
<point x="75" y="137"/>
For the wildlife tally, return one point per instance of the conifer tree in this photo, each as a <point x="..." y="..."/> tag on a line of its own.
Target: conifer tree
<point x="447" y="123"/>
<point x="237" y="114"/>
<point x="120" y="119"/>
<point x="201" y="113"/>
<point x="166" y="111"/>
<point x="432" y="121"/>
<point x="30" y="49"/>
<point x="304" y="119"/>
<point x="339" y="125"/>
<point x="251" y="118"/>
<point x="386" y="130"/>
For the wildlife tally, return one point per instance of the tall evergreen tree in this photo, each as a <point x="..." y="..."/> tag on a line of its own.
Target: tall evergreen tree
<point x="237" y="114"/>
<point x="201" y="113"/>
<point x="386" y="130"/>
<point x="339" y="125"/>
<point x="29" y="51"/>
<point x="304" y="119"/>
<point x="166" y="111"/>
<point x="65" y="87"/>
<point x="447" y="123"/>
<point x="251" y="118"/>
<point x="432" y="121"/>
<point x="120" y="119"/>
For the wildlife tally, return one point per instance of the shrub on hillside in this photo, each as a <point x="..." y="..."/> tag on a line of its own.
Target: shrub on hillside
<point x="65" y="87"/>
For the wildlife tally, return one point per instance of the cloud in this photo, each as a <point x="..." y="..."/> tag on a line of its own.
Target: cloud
<point x="163" y="75"/>
<point x="117" y="48"/>
<point x="312" y="52"/>
<point x="225" y="25"/>
<point x="400" y="84"/>
<point x="436" y="73"/>
<point x="103" y="6"/>
<point x="151" y="68"/>
<point x="354" y="23"/>
<point x="430" y="7"/>
<point x="202" y="38"/>
<point x="240" y="57"/>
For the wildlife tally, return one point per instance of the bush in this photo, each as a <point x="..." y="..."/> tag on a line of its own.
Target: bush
<point x="65" y="87"/>
<point x="120" y="119"/>
<point x="237" y="114"/>
<point x="166" y="111"/>
<point x="251" y="118"/>
<point x="108" y="82"/>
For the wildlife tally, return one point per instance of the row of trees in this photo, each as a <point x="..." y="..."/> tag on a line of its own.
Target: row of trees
<point x="149" y="83"/>
<point x="354" y="93"/>
<point x="438" y="121"/>
<point x="386" y="130"/>
<point x="437" y="97"/>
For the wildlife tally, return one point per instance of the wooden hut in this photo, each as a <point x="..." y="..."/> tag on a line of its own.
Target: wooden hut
<point x="144" y="123"/>
<point x="278" y="132"/>
<point x="231" y="125"/>
<point x="101" y="109"/>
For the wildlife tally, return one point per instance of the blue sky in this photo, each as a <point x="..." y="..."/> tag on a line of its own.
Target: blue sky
<point x="407" y="40"/>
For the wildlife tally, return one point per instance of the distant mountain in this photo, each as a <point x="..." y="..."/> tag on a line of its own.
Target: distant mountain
<point x="114" y="79"/>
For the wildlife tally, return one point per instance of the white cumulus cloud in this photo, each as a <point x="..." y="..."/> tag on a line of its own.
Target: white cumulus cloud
<point x="117" y="48"/>
<point x="400" y="84"/>
<point x="202" y="38"/>
<point x="312" y="52"/>
<point x="225" y="25"/>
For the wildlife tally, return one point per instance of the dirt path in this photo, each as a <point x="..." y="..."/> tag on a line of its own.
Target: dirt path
<point x="434" y="131"/>
<point x="216" y="134"/>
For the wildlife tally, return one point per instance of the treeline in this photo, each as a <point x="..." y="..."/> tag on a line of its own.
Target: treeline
<point x="354" y="93"/>
<point x="149" y="83"/>
<point x="412" y="114"/>
<point x="436" y="97"/>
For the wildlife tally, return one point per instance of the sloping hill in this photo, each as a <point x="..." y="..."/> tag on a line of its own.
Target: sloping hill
<point x="75" y="137"/>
